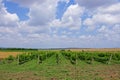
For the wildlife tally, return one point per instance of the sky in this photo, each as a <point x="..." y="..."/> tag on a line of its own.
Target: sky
<point x="60" y="23"/>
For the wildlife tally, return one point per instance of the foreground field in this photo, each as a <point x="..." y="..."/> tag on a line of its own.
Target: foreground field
<point x="62" y="65"/>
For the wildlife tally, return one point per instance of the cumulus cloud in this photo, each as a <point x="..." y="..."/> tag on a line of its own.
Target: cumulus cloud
<point x="7" y="19"/>
<point x="71" y="18"/>
<point x="111" y="34"/>
<point x="70" y="30"/>
<point x="28" y="29"/>
<point x="13" y="31"/>
<point x="113" y="9"/>
<point x="41" y="14"/>
<point x="105" y="22"/>
<point x="104" y="16"/>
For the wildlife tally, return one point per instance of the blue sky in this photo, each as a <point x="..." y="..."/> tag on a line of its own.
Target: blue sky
<point x="60" y="23"/>
<point x="16" y="8"/>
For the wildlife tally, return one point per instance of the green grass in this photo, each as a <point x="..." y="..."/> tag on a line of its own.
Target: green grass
<point x="64" y="70"/>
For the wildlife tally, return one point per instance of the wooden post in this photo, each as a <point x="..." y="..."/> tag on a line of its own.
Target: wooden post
<point x="38" y="59"/>
<point x="75" y="66"/>
<point x="76" y="59"/>
<point x="18" y="60"/>
<point x="92" y="60"/>
<point x="46" y="55"/>
<point x="110" y="59"/>
<point x="57" y="58"/>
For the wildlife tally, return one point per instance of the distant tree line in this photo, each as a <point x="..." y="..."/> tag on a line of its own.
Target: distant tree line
<point x="17" y="49"/>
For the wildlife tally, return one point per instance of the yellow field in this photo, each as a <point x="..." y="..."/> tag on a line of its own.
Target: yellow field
<point x="6" y="54"/>
<point x="96" y="49"/>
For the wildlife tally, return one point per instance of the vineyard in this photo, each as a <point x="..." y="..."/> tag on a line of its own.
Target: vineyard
<point x="67" y="61"/>
<point x="72" y="56"/>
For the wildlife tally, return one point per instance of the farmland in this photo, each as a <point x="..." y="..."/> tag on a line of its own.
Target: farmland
<point x="6" y="54"/>
<point x="60" y="65"/>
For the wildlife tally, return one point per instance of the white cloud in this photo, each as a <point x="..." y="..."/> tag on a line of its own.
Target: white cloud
<point x="37" y="32"/>
<point x="105" y="22"/>
<point x="41" y="14"/>
<point x="113" y="9"/>
<point x="7" y="19"/>
<point x="89" y="4"/>
<point x="8" y="27"/>
<point x="25" y="28"/>
<point x="18" y="33"/>
<point x="111" y="34"/>
<point x="102" y="19"/>
<point x="7" y="30"/>
<point x="116" y="28"/>
<point x="104" y="16"/>
<point x="71" y="18"/>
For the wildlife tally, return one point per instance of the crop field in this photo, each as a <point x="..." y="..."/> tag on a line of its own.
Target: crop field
<point x="60" y="65"/>
<point x="97" y="49"/>
<point x="7" y="54"/>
